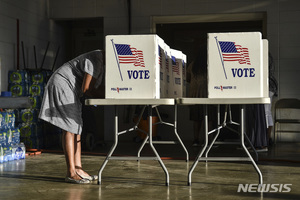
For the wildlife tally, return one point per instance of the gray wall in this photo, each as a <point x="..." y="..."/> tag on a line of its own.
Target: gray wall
<point x="35" y="28"/>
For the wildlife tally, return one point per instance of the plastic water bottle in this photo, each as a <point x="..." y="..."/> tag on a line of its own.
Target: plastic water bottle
<point x="18" y="152"/>
<point x="7" y="151"/>
<point x="10" y="157"/>
<point x="15" y="135"/>
<point x="1" y="121"/>
<point x="5" y="159"/>
<point x="2" y="137"/>
<point x="1" y="154"/>
<point x="11" y="118"/>
<point x="21" y="150"/>
<point x="14" y="155"/>
<point x="4" y="121"/>
<point x="9" y="136"/>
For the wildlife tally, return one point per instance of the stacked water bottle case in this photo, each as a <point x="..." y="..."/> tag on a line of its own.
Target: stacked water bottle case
<point x="10" y="146"/>
<point x="29" y="83"/>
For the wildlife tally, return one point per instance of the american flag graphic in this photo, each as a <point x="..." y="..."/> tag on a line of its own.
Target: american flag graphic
<point x="175" y="65"/>
<point x="167" y="63"/>
<point x="130" y="55"/>
<point x="233" y="52"/>
<point x="160" y="52"/>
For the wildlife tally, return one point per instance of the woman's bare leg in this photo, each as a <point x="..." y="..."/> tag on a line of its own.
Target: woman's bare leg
<point x="69" y="151"/>
<point x="77" y="155"/>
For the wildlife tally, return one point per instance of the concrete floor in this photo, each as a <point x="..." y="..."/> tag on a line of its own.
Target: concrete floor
<point x="42" y="176"/>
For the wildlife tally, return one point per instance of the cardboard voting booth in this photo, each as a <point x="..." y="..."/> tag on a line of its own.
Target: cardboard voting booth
<point x="162" y="65"/>
<point x="178" y="74"/>
<point x="168" y="71"/>
<point x="235" y="65"/>
<point x="184" y="68"/>
<point x="140" y="66"/>
<point x="133" y="66"/>
<point x="266" y="67"/>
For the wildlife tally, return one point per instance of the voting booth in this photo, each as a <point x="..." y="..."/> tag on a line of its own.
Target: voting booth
<point x="177" y="85"/>
<point x="236" y="66"/>
<point x="140" y="66"/>
<point x="133" y="66"/>
<point x="266" y="67"/>
<point x="168" y="71"/>
<point x="163" y="62"/>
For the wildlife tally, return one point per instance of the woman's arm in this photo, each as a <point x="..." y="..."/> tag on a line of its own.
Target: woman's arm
<point x="86" y="82"/>
<point x="88" y="87"/>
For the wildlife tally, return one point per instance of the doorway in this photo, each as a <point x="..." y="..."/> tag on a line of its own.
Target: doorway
<point x="188" y="37"/>
<point x="189" y="33"/>
<point x="85" y="35"/>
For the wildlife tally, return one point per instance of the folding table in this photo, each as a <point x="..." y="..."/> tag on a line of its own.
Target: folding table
<point x="223" y="101"/>
<point x="15" y="102"/>
<point x="150" y="104"/>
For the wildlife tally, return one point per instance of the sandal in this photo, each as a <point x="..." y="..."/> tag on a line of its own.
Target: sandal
<point x="81" y="181"/>
<point x="90" y="178"/>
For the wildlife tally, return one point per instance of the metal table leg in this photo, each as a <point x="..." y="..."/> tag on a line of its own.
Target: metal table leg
<point x="218" y="131"/>
<point x="244" y="147"/>
<point x="112" y="148"/>
<point x="153" y="148"/>
<point x="178" y="138"/>
<point x="203" y="149"/>
<point x="242" y="136"/>
<point x="109" y="156"/>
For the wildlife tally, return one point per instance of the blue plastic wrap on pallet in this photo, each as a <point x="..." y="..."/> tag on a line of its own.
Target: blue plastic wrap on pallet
<point x="16" y="135"/>
<point x="17" y="76"/>
<point x="18" y="90"/>
<point x="27" y="130"/>
<point x="27" y="115"/>
<point x="48" y="74"/>
<point x="36" y="101"/>
<point x="4" y="120"/>
<point x="30" y="130"/>
<point x="7" y="153"/>
<point x="8" y="137"/>
<point x="1" y="121"/>
<point x="36" y="89"/>
<point x="32" y="135"/>
<point x="18" y="151"/>
<point x="38" y="77"/>
<point x="33" y="143"/>
<point x="2" y="136"/>
<point x="7" y="120"/>
<point x="11" y="119"/>
<point x="1" y="153"/>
